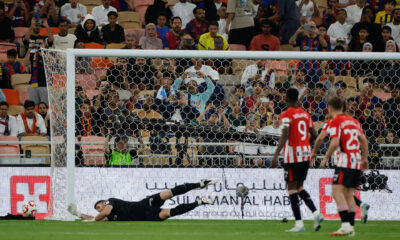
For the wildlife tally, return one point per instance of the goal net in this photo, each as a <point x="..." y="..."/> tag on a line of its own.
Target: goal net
<point x="128" y="124"/>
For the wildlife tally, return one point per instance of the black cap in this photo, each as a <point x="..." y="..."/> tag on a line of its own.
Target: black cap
<point x="112" y="13"/>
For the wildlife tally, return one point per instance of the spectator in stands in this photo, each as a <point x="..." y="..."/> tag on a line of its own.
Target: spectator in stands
<point x="120" y="155"/>
<point x="100" y="13"/>
<point x="168" y="68"/>
<point x="88" y="31"/>
<point x="240" y="22"/>
<point x="186" y="42"/>
<point x="6" y="31"/>
<point x="309" y="40"/>
<point x="11" y="67"/>
<point x="147" y="111"/>
<point x="385" y="16"/>
<point x="340" y="67"/>
<point x="193" y="72"/>
<point x="249" y="149"/>
<point x="19" y="13"/>
<point x="323" y="31"/>
<point x="113" y="32"/>
<point x="315" y="104"/>
<point x="184" y="10"/>
<point x="395" y="26"/>
<point x="49" y="11"/>
<point x="218" y="95"/>
<point x="150" y="40"/>
<point x="329" y="14"/>
<point x="222" y="22"/>
<point x="130" y="41"/>
<point x="197" y="26"/>
<point x="123" y="5"/>
<point x="212" y="7"/>
<point x="64" y="40"/>
<point x="85" y="122"/>
<point x="74" y="12"/>
<point x="389" y="70"/>
<point x="386" y="36"/>
<point x="279" y="98"/>
<point x="375" y="124"/>
<point x="8" y="124"/>
<point x="212" y="40"/>
<point x="43" y="111"/>
<point x="251" y="101"/>
<point x="143" y="74"/>
<point x="366" y="100"/>
<point x="354" y="12"/>
<point x="29" y="122"/>
<point x="80" y="95"/>
<point x="121" y="75"/>
<point x="173" y="36"/>
<point x="264" y="109"/>
<point x="392" y="110"/>
<point x="159" y="7"/>
<point x="265" y="41"/>
<point x="162" y="29"/>
<point x="367" y="19"/>
<point x="100" y="100"/>
<point x="339" y="32"/>
<point x="356" y="44"/>
<point x="308" y="10"/>
<point x="390" y="138"/>
<point x="299" y="82"/>
<point x="236" y="117"/>
<point x="239" y="93"/>
<point x="275" y="130"/>
<point x="83" y="64"/>
<point x="365" y="67"/>
<point x="258" y="72"/>
<point x="193" y="96"/>
<point x="289" y="16"/>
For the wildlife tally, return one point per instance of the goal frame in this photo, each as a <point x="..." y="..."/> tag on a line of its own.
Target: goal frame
<point x="282" y="55"/>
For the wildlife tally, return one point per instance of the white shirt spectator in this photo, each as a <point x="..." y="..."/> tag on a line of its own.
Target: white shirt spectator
<point x="40" y="125"/>
<point x="12" y="126"/>
<point x="307" y="10"/>
<point x="74" y="15"/>
<point x="270" y="130"/>
<point x="246" y="148"/>
<point x="206" y="70"/>
<point x="339" y="31"/>
<point x="184" y="11"/>
<point x="252" y="70"/>
<point x="395" y="32"/>
<point x="64" y="42"/>
<point x="100" y="14"/>
<point x="354" y="13"/>
<point x="254" y="7"/>
<point x="221" y="29"/>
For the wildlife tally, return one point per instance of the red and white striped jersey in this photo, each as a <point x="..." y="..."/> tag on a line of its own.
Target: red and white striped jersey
<point x="297" y="148"/>
<point x="326" y="125"/>
<point x="347" y="129"/>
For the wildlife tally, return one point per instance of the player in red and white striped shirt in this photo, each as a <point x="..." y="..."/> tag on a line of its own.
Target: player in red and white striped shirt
<point x="350" y="147"/>
<point x="298" y="130"/>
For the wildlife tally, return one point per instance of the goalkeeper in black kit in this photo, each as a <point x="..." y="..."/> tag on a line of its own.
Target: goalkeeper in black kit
<point x="148" y="209"/>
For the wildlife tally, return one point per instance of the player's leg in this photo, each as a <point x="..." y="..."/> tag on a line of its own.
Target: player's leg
<point x="338" y="192"/>
<point x="183" y="208"/>
<point x="305" y="196"/>
<point x="349" y="194"/>
<point x="184" y="188"/>
<point x="294" y="203"/>
<point x="364" y="207"/>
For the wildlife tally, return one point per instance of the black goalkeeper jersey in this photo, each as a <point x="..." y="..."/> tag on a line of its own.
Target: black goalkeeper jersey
<point x="126" y="211"/>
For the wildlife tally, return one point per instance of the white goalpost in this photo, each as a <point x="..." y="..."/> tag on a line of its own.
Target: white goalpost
<point x="86" y="182"/>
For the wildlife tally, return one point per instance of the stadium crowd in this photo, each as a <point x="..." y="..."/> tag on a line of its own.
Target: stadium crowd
<point x="195" y="90"/>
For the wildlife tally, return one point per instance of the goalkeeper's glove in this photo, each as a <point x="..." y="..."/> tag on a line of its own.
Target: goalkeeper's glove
<point x="74" y="210"/>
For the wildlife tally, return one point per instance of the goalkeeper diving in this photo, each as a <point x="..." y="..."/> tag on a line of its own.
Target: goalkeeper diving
<point x="147" y="209"/>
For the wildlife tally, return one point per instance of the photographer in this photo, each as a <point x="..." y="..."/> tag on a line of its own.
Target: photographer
<point x="19" y="13"/>
<point x="120" y="155"/>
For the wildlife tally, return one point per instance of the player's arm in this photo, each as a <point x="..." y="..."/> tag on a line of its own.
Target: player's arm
<point x="103" y="214"/>
<point x="364" y="151"/>
<point x="282" y="142"/>
<point x="317" y="144"/>
<point x="332" y="147"/>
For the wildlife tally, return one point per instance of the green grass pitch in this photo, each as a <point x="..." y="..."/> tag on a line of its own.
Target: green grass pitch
<point x="188" y="230"/>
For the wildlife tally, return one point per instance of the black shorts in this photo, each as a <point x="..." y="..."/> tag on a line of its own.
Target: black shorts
<point x="296" y="171"/>
<point x="347" y="177"/>
<point x="152" y="207"/>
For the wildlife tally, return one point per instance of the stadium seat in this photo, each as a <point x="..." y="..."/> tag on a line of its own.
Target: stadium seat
<point x="288" y="47"/>
<point x="94" y="45"/>
<point x="87" y="81"/>
<point x="90" y="2"/>
<point x="36" y="148"/>
<point x="279" y="67"/>
<point x="90" y="93"/>
<point x="128" y="17"/>
<point x="102" y="63"/>
<point x="12" y="96"/>
<point x="54" y="31"/>
<point x="15" y="110"/>
<point x="20" y="78"/>
<point x="23" y="92"/>
<point x="93" y="149"/>
<point x="171" y="3"/>
<point x="20" y="33"/>
<point x="71" y="30"/>
<point x="237" y="47"/>
<point x="115" y="45"/>
<point x="59" y="80"/>
<point x="4" y="47"/>
<point x="138" y="32"/>
<point x="141" y="8"/>
<point x="131" y="24"/>
<point x="350" y="81"/>
<point x="100" y="72"/>
<point x="9" y="149"/>
<point x="239" y="65"/>
<point x="228" y="80"/>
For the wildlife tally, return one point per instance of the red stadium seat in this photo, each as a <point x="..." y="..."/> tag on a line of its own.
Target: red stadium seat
<point x="54" y="31"/>
<point x="139" y="32"/>
<point x="4" y="47"/>
<point x="237" y="47"/>
<point x="12" y="96"/>
<point x="87" y="81"/>
<point x="93" y="149"/>
<point x="90" y="93"/>
<point x="94" y="46"/>
<point x="20" y="33"/>
<point x="9" y="149"/>
<point x="279" y="67"/>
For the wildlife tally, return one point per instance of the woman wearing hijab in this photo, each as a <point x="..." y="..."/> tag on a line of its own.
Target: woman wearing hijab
<point x="365" y="67"/>
<point x="150" y="40"/>
<point x="87" y="31"/>
<point x="389" y="70"/>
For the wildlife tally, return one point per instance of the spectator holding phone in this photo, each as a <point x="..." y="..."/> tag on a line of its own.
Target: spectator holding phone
<point x="6" y="31"/>
<point x="19" y="13"/>
<point x="213" y="40"/>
